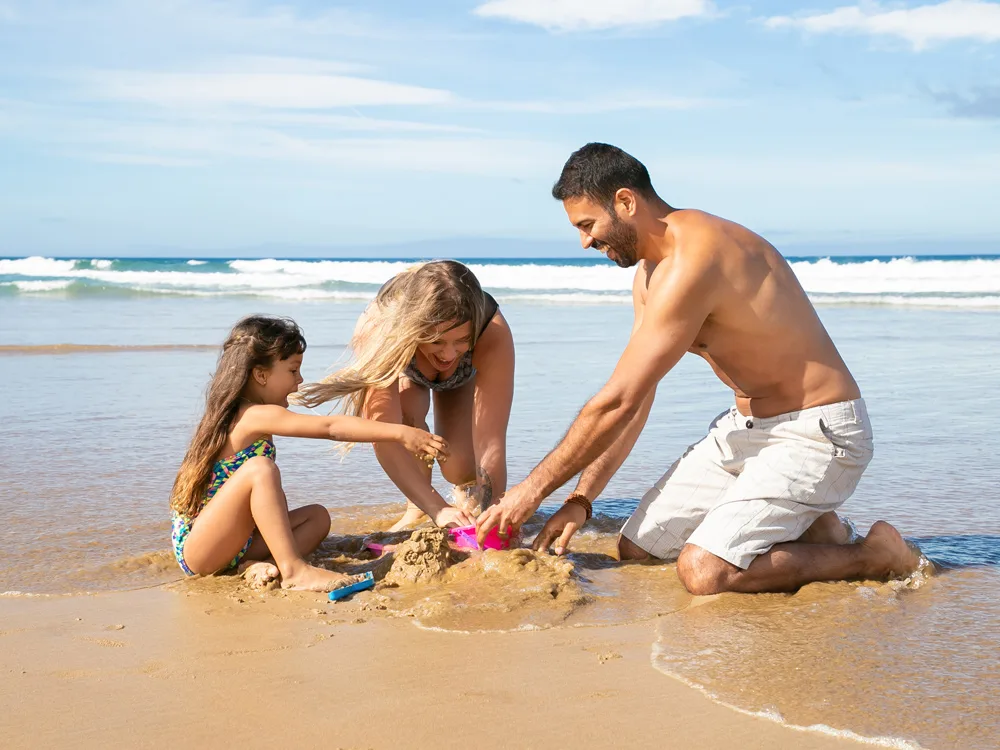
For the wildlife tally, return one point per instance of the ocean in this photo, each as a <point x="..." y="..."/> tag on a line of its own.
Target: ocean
<point x="926" y="281"/>
<point x="104" y="362"/>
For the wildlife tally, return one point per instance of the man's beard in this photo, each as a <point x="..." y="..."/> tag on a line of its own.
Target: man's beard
<point x="621" y="239"/>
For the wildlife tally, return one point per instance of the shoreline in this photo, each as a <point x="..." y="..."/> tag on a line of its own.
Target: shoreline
<point x="152" y="668"/>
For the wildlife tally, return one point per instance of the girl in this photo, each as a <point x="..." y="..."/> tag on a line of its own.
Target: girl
<point x="433" y="330"/>
<point x="227" y="500"/>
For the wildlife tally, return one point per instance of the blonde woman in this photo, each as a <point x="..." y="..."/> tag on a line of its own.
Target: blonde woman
<point x="433" y="332"/>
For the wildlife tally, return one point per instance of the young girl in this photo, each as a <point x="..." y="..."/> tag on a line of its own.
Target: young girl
<point x="227" y="500"/>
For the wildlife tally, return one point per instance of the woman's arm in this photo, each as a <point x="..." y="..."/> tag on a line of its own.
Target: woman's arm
<point x="403" y="468"/>
<point x="268" y="419"/>
<point x="493" y="359"/>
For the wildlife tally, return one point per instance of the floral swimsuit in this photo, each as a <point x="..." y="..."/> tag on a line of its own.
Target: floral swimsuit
<point x="222" y="470"/>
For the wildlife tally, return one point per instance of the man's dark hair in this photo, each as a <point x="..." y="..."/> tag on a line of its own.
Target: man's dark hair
<point x="598" y="171"/>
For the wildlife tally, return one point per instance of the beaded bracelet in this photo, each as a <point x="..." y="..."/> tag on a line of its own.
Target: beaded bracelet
<point x="577" y="499"/>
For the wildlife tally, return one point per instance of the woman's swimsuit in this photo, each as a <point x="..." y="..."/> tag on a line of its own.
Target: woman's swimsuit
<point x="181" y="525"/>
<point x="464" y="371"/>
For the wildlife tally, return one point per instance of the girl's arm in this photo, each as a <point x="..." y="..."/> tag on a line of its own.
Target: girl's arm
<point x="494" y="362"/>
<point x="268" y="419"/>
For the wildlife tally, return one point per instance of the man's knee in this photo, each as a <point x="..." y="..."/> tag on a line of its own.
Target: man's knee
<point x="629" y="550"/>
<point x="702" y="573"/>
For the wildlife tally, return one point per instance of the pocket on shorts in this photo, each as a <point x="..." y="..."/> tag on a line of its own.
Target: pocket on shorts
<point x="847" y="439"/>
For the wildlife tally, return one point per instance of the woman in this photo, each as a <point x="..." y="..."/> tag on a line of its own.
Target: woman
<point x="433" y="330"/>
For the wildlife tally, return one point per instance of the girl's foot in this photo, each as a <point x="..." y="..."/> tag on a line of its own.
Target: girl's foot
<point x="259" y="575"/>
<point x="311" y="578"/>
<point x="412" y="517"/>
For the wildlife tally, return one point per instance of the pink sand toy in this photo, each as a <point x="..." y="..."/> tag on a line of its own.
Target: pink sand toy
<point x="464" y="537"/>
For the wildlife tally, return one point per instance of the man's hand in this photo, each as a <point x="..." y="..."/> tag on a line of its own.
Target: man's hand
<point x="514" y="508"/>
<point x="560" y="527"/>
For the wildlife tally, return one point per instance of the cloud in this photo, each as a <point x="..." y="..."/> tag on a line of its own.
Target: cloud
<point x="263" y="137"/>
<point x="588" y="15"/>
<point x="980" y="103"/>
<point x="921" y="26"/>
<point x="275" y="90"/>
<point x="144" y="160"/>
<point x="598" y="106"/>
<point x="285" y="64"/>
<point x="248" y="22"/>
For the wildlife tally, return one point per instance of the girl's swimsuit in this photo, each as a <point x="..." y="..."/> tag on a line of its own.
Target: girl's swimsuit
<point x="463" y="370"/>
<point x="222" y="470"/>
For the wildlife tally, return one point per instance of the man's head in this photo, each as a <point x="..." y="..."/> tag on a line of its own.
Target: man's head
<point x="601" y="188"/>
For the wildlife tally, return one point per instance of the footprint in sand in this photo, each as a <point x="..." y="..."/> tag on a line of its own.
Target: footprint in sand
<point x="106" y="642"/>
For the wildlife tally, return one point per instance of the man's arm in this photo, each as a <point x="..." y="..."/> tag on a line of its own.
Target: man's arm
<point x="595" y="477"/>
<point x="677" y="306"/>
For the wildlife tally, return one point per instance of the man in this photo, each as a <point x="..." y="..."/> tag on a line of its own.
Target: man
<point x="751" y="507"/>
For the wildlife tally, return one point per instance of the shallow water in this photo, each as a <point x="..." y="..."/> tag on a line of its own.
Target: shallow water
<point x="93" y="439"/>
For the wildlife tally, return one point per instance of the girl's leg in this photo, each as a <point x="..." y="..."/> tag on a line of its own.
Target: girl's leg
<point x="453" y="422"/>
<point x="252" y="497"/>
<point x="407" y="404"/>
<point x="310" y="526"/>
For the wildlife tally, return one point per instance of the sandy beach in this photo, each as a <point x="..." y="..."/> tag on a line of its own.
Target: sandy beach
<point x="156" y="668"/>
<point x="106" y="389"/>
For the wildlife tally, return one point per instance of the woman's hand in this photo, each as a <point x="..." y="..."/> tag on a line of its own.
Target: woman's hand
<point x="423" y="444"/>
<point x="452" y="516"/>
<point x="560" y="527"/>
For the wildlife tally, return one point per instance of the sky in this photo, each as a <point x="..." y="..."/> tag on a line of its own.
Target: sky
<point x="210" y="126"/>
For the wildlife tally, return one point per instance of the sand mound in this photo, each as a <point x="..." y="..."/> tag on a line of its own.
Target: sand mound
<point x="423" y="558"/>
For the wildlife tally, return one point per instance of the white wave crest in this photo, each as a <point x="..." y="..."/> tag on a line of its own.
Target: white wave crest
<point x="42" y="286"/>
<point x="901" y="282"/>
<point x="900" y="276"/>
<point x="537" y="276"/>
<point x="36" y="266"/>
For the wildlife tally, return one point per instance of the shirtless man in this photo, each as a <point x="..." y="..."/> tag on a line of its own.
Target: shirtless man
<point x="751" y="507"/>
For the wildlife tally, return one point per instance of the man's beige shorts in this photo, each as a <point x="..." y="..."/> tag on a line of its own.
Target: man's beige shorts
<point x="753" y="483"/>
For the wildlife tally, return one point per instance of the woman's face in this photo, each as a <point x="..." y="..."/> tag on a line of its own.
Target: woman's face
<point x="451" y="343"/>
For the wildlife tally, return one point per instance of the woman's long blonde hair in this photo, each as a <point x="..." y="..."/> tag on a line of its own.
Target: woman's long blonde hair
<point x="256" y="341"/>
<point x="407" y="311"/>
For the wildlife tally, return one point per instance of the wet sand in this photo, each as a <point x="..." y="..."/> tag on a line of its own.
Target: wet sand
<point x="204" y="668"/>
<point x="94" y="441"/>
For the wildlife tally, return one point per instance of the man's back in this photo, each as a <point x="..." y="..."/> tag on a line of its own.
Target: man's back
<point x="762" y="338"/>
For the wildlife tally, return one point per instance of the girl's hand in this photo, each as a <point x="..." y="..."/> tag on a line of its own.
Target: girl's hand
<point x="451" y="516"/>
<point x="423" y="444"/>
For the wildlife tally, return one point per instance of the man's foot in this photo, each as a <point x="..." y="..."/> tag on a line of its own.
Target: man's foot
<point x="412" y="517"/>
<point x="827" y="529"/>
<point x="890" y="555"/>
<point x="311" y="578"/>
<point x="259" y="575"/>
